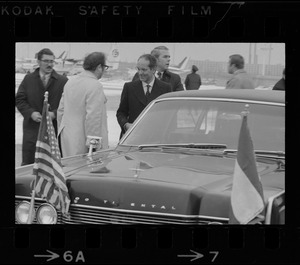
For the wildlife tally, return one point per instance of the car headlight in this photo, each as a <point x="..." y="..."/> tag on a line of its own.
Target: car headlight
<point x="22" y="212"/>
<point x="46" y="214"/>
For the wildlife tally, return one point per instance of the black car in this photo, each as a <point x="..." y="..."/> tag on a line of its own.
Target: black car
<point x="174" y="165"/>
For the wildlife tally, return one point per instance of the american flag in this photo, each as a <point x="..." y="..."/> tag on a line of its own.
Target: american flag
<point x="247" y="199"/>
<point x="50" y="182"/>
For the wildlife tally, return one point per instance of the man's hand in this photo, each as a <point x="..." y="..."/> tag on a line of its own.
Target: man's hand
<point x="52" y="115"/>
<point x="127" y="126"/>
<point x="36" y="116"/>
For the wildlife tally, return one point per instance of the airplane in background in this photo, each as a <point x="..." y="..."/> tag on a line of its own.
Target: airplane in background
<point x="61" y="58"/>
<point x="112" y="60"/>
<point x="28" y="65"/>
<point x="62" y="65"/>
<point x="181" y="67"/>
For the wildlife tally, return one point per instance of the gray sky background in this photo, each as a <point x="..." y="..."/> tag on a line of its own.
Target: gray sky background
<point x="129" y="52"/>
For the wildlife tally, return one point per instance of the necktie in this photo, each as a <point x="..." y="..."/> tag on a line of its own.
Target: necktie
<point x="159" y="75"/>
<point x="44" y="80"/>
<point x="148" y="93"/>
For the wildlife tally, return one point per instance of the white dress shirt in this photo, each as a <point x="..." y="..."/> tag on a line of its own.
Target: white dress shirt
<point x="145" y="86"/>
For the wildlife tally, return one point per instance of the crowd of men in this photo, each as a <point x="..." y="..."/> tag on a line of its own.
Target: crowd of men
<point x="77" y="106"/>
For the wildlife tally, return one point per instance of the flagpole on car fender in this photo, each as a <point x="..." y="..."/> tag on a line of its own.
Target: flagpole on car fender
<point x="29" y="220"/>
<point x="30" y="217"/>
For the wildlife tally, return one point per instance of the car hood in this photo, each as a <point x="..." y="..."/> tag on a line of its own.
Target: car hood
<point x="159" y="182"/>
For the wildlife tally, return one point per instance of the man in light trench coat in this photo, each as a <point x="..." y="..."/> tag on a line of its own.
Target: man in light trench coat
<point x="82" y="108"/>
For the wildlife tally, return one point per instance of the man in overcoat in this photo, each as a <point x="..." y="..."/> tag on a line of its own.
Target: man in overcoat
<point x="30" y="98"/>
<point x="193" y="80"/>
<point x="240" y="79"/>
<point x="82" y="109"/>
<point x="136" y="95"/>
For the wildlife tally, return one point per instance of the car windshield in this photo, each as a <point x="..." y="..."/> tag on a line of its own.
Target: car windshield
<point x="187" y="121"/>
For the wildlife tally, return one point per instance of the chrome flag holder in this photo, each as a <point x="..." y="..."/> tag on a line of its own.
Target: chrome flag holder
<point x="95" y="142"/>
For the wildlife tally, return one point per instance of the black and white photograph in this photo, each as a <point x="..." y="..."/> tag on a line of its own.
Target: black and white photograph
<point x="188" y="133"/>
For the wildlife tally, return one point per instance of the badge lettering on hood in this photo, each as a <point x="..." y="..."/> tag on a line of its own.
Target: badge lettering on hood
<point x="152" y="206"/>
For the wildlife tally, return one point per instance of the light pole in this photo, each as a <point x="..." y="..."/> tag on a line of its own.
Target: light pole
<point x="265" y="49"/>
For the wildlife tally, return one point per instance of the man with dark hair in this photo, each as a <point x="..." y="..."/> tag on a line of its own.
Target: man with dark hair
<point x="280" y="85"/>
<point x="82" y="109"/>
<point x="193" y="80"/>
<point x="136" y="95"/>
<point x="30" y="98"/>
<point x="162" y="54"/>
<point x="240" y="78"/>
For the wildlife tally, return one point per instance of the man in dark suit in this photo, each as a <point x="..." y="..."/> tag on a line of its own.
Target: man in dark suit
<point x="136" y="95"/>
<point x="280" y="85"/>
<point x="30" y="98"/>
<point x="162" y="54"/>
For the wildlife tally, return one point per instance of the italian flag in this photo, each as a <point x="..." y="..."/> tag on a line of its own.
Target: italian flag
<point x="247" y="199"/>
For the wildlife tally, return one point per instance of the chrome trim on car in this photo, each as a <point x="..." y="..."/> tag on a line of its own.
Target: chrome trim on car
<point x="29" y="198"/>
<point x="223" y="99"/>
<point x="83" y="214"/>
<point x="269" y="207"/>
<point x="151" y="213"/>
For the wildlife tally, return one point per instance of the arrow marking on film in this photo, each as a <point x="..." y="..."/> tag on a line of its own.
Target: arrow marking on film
<point x="51" y="257"/>
<point x="197" y="256"/>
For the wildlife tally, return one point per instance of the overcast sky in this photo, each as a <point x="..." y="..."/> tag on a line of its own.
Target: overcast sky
<point x="129" y="52"/>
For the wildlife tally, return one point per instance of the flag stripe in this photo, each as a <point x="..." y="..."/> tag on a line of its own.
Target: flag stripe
<point x="50" y="179"/>
<point x="50" y="169"/>
<point x="48" y="172"/>
<point x="44" y="153"/>
<point x="44" y="148"/>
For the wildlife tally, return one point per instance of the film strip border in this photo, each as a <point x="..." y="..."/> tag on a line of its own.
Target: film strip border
<point x="158" y="21"/>
<point x="149" y="21"/>
<point x="114" y="244"/>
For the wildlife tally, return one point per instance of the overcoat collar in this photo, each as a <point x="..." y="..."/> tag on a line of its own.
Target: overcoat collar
<point x="166" y="76"/>
<point x="53" y="74"/>
<point x="90" y="74"/>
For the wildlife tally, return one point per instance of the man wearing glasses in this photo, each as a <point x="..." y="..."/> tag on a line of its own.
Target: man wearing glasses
<point x="30" y="98"/>
<point x="82" y="108"/>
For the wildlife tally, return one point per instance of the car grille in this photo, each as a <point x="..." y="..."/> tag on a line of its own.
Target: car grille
<point x="82" y="214"/>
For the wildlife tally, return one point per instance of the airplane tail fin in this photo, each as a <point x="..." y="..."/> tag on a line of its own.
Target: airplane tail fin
<point x="182" y="65"/>
<point x="61" y="55"/>
<point x="113" y="57"/>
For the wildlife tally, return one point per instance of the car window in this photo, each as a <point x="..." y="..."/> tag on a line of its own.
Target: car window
<point x="196" y="121"/>
<point x="187" y="118"/>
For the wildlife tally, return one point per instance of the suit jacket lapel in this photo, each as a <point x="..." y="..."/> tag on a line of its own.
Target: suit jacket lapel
<point x="139" y="92"/>
<point x="156" y="91"/>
